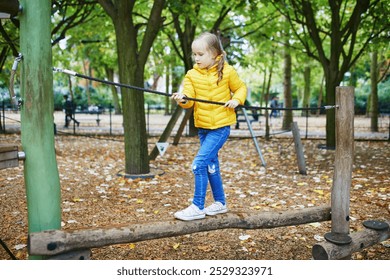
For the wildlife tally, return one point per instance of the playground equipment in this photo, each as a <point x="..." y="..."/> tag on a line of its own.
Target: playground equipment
<point x="55" y="242"/>
<point x="339" y="243"/>
<point x="374" y="233"/>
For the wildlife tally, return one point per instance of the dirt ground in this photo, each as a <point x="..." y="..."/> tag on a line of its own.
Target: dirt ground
<point x="94" y="195"/>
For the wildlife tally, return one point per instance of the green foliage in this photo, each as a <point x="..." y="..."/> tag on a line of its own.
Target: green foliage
<point x="98" y="97"/>
<point x="362" y="94"/>
<point x="252" y="30"/>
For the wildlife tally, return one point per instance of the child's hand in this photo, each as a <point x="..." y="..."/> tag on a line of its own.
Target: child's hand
<point x="231" y="104"/>
<point x="178" y="97"/>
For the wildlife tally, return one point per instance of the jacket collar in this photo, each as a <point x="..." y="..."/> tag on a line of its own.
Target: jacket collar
<point x="213" y="69"/>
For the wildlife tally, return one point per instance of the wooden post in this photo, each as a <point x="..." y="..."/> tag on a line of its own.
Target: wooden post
<point x="40" y="168"/>
<point x="340" y="198"/>
<point x="55" y="242"/>
<point x="299" y="149"/>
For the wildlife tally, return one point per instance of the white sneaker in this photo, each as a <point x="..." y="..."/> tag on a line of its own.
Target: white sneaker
<point x="192" y="212"/>
<point x="215" y="208"/>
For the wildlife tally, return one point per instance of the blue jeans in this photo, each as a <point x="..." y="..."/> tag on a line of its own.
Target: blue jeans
<point x="206" y="165"/>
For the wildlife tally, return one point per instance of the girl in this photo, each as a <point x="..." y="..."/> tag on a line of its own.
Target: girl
<point x="211" y="78"/>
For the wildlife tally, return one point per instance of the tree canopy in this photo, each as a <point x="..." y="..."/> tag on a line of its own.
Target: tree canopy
<point x="138" y="40"/>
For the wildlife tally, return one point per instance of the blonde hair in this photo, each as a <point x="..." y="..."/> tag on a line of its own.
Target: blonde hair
<point x="214" y="46"/>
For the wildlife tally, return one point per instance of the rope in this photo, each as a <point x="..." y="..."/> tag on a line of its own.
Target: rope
<point x="12" y="78"/>
<point x="73" y="73"/>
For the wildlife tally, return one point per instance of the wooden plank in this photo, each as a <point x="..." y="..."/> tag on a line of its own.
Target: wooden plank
<point x="54" y="242"/>
<point x="8" y="156"/>
<point x="8" y="148"/>
<point x="360" y="240"/>
<point x="9" y="164"/>
<point x="13" y="155"/>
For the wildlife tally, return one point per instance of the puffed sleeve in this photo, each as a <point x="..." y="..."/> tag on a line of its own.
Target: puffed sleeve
<point x="237" y="87"/>
<point x="188" y="90"/>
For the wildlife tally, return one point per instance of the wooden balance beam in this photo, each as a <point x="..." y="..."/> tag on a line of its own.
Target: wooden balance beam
<point x="53" y="242"/>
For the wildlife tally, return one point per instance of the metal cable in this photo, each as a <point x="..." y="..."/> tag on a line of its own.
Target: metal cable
<point x="73" y="73"/>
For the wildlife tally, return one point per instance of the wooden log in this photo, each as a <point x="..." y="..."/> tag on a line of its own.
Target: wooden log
<point x="298" y="149"/>
<point x="360" y="240"/>
<point x="52" y="242"/>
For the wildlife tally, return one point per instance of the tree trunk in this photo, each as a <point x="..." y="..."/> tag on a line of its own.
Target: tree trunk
<point x="288" y="115"/>
<point x="131" y="61"/>
<point x="186" y="38"/>
<point x="167" y="84"/>
<point x="70" y="86"/>
<point x="345" y="47"/>
<point x="134" y="123"/>
<point x="368" y="106"/>
<point x="86" y="67"/>
<point x="374" y="92"/>
<point x="330" y="87"/>
<point x="263" y="96"/>
<point x="306" y="91"/>
<point x="320" y="94"/>
<point x="267" y="133"/>
<point x="3" y="55"/>
<point x="353" y="78"/>
<point x="115" y="97"/>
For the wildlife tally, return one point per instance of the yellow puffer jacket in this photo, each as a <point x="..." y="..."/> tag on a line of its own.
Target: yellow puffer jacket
<point x="202" y="84"/>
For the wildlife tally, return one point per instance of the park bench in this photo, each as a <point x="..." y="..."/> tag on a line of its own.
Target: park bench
<point x="252" y="114"/>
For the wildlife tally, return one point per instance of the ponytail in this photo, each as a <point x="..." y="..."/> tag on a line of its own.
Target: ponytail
<point x="221" y="63"/>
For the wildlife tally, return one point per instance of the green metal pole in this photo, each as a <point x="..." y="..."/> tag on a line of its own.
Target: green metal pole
<point x="40" y="168"/>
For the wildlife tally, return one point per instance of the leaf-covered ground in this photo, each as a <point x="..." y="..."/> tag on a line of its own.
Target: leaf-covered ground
<point x="93" y="195"/>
